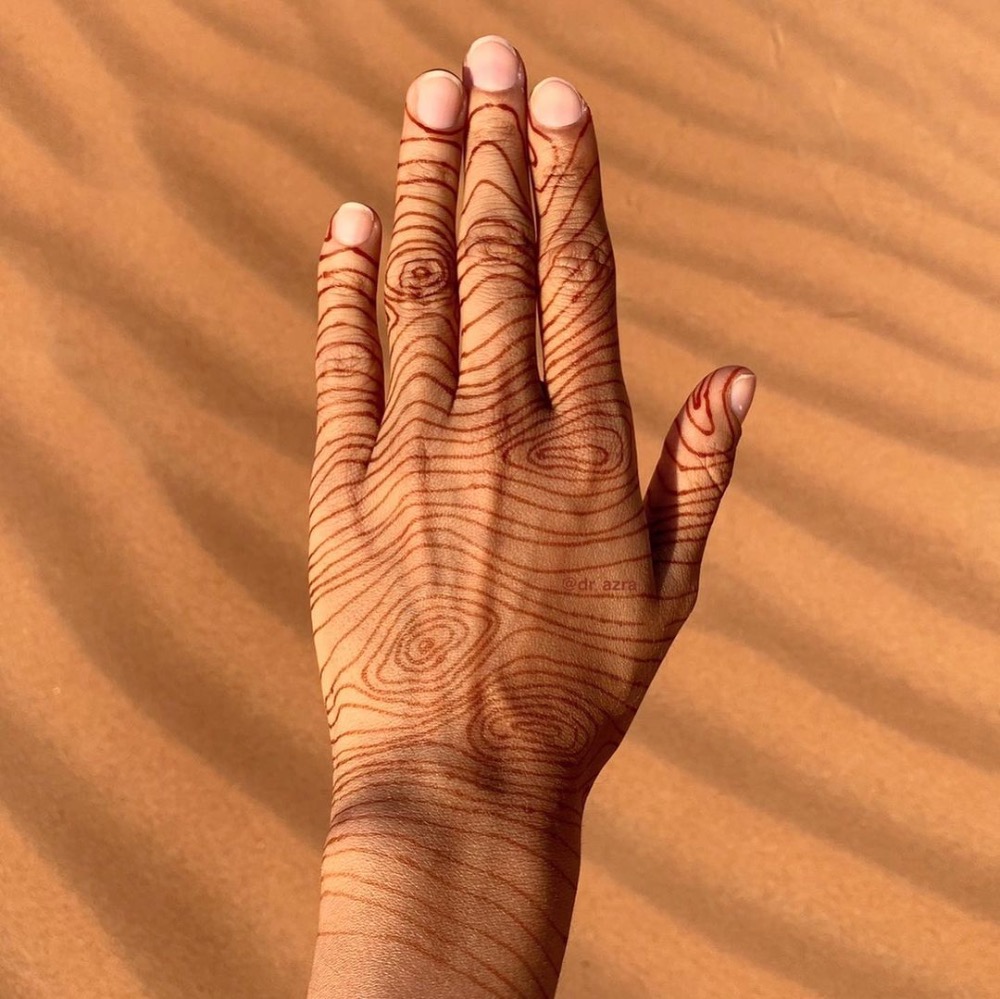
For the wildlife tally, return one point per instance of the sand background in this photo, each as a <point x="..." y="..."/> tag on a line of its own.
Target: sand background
<point x="808" y="803"/>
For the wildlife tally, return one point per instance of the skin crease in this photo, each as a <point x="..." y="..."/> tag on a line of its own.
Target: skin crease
<point x="492" y="592"/>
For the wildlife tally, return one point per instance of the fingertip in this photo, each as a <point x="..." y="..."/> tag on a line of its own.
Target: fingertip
<point x="493" y="65"/>
<point x="436" y="100"/>
<point x="741" y="392"/>
<point x="353" y="224"/>
<point x="556" y="103"/>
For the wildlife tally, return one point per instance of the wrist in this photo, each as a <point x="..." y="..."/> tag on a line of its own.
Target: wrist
<point x="412" y="777"/>
<point x="445" y="887"/>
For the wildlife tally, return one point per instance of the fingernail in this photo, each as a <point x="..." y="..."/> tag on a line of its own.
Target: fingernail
<point x="741" y="394"/>
<point x="353" y="223"/>
<point x="555" y="102"/>
<point x="436" y="99"/>
<point x="492" y="63"/>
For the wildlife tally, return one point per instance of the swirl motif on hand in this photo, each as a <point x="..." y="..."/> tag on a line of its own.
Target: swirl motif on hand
<point x="421" y="658"/>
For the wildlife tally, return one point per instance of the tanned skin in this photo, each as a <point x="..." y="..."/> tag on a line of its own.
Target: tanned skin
<point x="492" y="592"/>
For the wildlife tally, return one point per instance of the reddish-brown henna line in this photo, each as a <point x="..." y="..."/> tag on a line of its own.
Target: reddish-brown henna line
<point x="510" y="885"/>
<point x="491" y="591"/>
<point x="422" y="905"/>
<point x="416" y="942"/>
<point x="362" y="820"/>
<point x="408" y="846"/>
<point x="427" y="133"/>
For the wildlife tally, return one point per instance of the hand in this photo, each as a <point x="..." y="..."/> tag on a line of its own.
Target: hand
<point x="491" y="592"/>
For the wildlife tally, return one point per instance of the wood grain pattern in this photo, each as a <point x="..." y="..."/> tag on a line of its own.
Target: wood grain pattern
<point x="807" y="803"/>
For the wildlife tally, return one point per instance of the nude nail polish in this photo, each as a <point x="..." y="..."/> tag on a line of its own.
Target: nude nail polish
<point x="556" y="103"/>
<point x="353" y="223"/>
<point x="436" y="99"/>
<point x="741" y="394"/>
<point x="492" y="63"/>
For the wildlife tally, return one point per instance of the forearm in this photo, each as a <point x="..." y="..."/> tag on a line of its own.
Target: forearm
<point x="463" y="894"/>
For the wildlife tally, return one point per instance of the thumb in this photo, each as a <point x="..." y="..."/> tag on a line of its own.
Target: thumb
<point x="691" y="477"/>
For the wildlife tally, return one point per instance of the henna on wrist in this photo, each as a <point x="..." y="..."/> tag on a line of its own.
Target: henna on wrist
<point x="492" y="593"/>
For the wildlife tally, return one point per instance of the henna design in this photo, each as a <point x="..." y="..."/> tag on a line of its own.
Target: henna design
<point x="491" y="592"/>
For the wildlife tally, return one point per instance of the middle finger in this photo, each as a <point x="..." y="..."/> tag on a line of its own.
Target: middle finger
<point x="497" y="267"/>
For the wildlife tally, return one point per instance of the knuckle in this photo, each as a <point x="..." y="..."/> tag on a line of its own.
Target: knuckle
<point x="345" y="281"/>
<point x="493" y="241"/>
<point x="423" y="170"/>
<point x="584" y="261"/>
<point x="412" y="457"/>
<point x="418" y="278"/>
<point x="565" y="171"/>
<point x="584" y="455"/>
<point x="494" y="130"/>
<point x="340" y="356"/>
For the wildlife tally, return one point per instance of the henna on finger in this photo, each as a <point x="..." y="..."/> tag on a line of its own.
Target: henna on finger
<point x="498" y="367"/>
<point x="421" y="293"/>
<point x="492" y="593"/>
